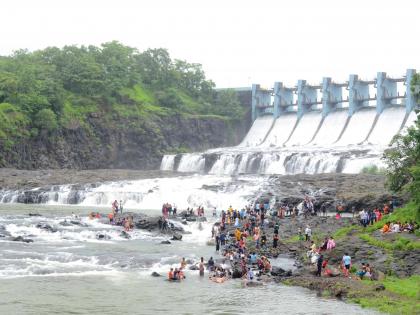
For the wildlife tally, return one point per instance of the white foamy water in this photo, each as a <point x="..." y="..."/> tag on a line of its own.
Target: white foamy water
<point x="185" y="191"/>
<point x="387" y="126"/>
<point x="167" y="163"/>
<point x="305" y="129"/>
<point x="258" y="131"/>
<point x="281" y="131"/>
<point x="331" y="128"/>
<point x="191" y="162"/>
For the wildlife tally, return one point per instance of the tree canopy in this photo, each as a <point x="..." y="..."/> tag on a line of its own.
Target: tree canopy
<point x="67" y="83"/>
<point x="403" y="158"/>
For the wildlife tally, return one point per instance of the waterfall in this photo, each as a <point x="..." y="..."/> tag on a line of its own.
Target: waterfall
<point x="225" y="165"/>
<point x="167" y="163"/>
<point x="191" y="163"/>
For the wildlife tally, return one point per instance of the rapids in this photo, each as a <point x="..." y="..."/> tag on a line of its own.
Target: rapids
<point x="70" y="271"/>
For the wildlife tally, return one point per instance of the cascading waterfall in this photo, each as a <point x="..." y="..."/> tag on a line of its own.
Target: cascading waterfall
<point x="191" y="163"/>
<point x="168" y="162"/>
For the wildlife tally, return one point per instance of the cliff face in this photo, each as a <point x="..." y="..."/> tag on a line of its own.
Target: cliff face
<point x="121" y="143"/>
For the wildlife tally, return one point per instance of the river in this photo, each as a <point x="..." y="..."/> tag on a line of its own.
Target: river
<point x="70" y="271"/>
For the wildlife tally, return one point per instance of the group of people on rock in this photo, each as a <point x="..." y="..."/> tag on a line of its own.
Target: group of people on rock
<point x="398" y="227"/>
<point x="168" y="210"/>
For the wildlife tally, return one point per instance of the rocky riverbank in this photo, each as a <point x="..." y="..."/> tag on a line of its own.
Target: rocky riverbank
<point x="396" y="269"/>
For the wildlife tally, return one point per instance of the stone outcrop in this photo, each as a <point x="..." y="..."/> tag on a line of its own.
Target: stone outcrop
<point x="131" y="143"/>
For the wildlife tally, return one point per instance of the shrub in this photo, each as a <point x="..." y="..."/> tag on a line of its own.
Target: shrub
<point x="46" y="119"/>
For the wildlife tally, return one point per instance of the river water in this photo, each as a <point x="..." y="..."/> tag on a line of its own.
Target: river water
<point x="72" y="272"/>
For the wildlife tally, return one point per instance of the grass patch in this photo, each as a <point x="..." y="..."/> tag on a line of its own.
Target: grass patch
<point x="404" y="297"/>
<point x="341" y="233"/>
<point x="400" y="243"/>
<point x="409" y="287"/>
<point x="139" y="94"/>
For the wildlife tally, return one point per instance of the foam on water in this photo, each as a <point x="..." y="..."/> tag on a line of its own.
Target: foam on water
<point x="185" y="191"/>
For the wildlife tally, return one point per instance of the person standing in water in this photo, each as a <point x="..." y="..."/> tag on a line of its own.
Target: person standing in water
<point x="201" y="267"/>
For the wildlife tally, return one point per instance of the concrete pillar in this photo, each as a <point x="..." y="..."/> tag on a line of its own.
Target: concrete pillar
<point x="384" y="88"/>
<point x="255" y="100"/>
<point x="332" y="96"/>
<point x="410" y="101"/>
<point x="358" y="90"/>
<point x="277" y="99"/>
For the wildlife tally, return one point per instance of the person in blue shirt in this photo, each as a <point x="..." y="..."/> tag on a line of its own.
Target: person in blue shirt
<point x="346" y="260"/>
<point x="253" y="258"/>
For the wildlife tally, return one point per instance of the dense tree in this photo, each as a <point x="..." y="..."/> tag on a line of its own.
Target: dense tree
<point x="403" y="158"/>
<point x="64" y="84"/>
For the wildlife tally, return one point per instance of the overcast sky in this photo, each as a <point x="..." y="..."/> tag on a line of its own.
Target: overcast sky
<point x="237" y="42"/>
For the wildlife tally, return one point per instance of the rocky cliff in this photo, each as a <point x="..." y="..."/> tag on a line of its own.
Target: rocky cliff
<point x="121" y="143"/>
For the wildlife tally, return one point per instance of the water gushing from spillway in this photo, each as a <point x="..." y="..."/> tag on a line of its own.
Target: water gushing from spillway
<point x="312" y="144"/>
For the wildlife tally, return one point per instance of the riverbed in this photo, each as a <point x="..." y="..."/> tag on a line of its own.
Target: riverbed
<point x="70" y="271"/>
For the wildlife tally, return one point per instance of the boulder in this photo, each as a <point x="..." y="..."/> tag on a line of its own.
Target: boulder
<point x="335" y="272"/>
<point x="277" y="271"/>
<point x="378" y="275"/>
<point x="125" y="235"/>
<point x="101" y="236"/>
<point x="35" y="215"/>
<point x="166" y="242"/>
<point x="176" y="237"/>
<point x="46" y="227"/>
<point x="236" y="271"/>
<point x="253" y="283"/>
<point x="22" y="239"/>
<point x="155" y="274"/>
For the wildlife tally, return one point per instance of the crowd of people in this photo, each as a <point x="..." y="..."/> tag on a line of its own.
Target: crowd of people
<point x="398" y="227"/>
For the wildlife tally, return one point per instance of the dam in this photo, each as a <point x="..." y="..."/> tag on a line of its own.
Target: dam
<point x="313" y="128"/>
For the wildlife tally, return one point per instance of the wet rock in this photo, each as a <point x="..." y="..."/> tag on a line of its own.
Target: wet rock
<point x="79" y="223"/>
<point x="253" y="284"/>
<point x="46" y="227"/>
<point x="22" y="239"/>
<point x="194" y="267"/>
<point x="277" y="271"/>
<point x="176" y="237"/>
<point x="236" y="271"/>
<point x="65" y="223"/>
<point x="35" y="215"/>
<point x="166" y="242"/>
<point x="101" y="236"/>
<point x="155" y="274"/>
<point x="125" y="235"/>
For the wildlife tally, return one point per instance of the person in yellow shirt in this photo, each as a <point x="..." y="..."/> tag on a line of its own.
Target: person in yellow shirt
<point x="238" y="234"/>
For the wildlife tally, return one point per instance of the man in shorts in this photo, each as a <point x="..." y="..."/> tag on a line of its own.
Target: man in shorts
<point x="346" y="260"/>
